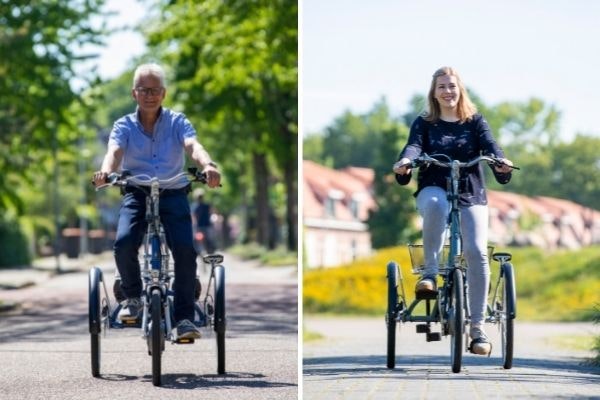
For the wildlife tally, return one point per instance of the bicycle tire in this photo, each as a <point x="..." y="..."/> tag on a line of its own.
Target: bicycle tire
<point x="509" y="314"/>
<point x="392" y="280"/>
<point x="220" y="317"/>
<point x="156" y="332"/>
<point x="95" y="318"/>
<point x="457" y="320"/>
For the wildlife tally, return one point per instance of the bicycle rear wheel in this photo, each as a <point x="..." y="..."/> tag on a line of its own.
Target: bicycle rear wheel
<point x="508" y="314"/>
<point x="456" y="319"/>
<point x="220" y="318"/>
<point x="392" y="280"/>
<point x="95" y="317"/>
<point x="156" y="336"/>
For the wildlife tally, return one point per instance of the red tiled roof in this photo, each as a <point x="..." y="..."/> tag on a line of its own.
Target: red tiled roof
<point x="319" y="182"/>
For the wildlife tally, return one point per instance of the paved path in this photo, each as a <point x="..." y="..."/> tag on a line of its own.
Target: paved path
<point x="44" y="344"/>
<point x="350" y="363"/>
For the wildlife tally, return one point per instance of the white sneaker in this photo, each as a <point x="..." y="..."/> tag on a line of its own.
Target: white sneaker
<point x="480" y="344"/>
<point x="131" y="310"/>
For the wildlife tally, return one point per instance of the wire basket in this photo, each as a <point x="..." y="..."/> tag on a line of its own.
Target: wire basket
<point x="417" y="258"/>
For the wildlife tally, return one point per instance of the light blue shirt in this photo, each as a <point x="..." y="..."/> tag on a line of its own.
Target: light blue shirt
<point x="160" y="154"/>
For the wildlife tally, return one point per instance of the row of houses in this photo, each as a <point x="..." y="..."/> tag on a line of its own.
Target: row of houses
<point x="336" y="205"/>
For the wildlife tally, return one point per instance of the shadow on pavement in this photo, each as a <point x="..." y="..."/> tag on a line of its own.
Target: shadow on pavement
<point x="262" y="309"/>
<point x="251" y="309"/>
<point x="191" y="381"/>
<point x="572" y="371"/>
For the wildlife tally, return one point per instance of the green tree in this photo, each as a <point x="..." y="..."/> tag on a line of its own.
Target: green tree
<point x="392" y="223"/>
<point x="235" y="75"/>
<point x="574" y="173"/>
<point x="37" y="58"/>
<point x="40" y="45"/>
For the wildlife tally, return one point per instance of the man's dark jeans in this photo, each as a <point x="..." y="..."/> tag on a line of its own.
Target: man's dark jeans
<point x="176" y="219"/>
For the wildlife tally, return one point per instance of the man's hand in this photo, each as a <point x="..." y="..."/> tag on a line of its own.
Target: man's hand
<point x="213" y="176"/>
<point x="99" y="178"/>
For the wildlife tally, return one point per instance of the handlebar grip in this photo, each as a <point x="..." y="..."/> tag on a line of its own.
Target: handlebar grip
<point x="113" y="177"/>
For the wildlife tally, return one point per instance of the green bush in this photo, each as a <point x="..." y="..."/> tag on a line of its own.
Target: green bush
<point x="14" y="249"/>
<point x="557" y="286"/>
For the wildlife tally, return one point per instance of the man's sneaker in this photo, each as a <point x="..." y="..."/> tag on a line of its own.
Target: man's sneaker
<point x="187" y="330"/>
<point x="480" y="344"/>
<point x="426" y="287"/>
<point x="131" y="310"/>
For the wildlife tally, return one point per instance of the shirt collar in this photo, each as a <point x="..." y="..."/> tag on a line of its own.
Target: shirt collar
<point x="136" y="114"/>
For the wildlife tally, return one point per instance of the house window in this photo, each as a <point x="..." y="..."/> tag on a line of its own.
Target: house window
<point x="354" y="208"/>
<point x="330" y="207"/>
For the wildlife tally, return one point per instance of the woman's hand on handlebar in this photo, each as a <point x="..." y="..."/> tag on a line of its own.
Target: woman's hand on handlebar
<point x="503" y="166"/>
<point x="403" y="167"/>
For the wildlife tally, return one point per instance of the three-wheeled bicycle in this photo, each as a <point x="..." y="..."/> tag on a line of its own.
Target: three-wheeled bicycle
<point x="449" y="307"/>
<point x="158" y="276"/>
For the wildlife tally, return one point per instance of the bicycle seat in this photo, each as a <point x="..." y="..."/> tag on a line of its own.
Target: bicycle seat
<point x="213" y="259"/>
<point x="501" y="257"/>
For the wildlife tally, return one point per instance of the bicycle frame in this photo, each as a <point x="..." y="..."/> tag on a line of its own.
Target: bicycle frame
<point x="156" y="272"/>
<point x="454" y="259"/>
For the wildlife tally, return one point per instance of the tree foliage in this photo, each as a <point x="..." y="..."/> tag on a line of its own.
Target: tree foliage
<point x="37" y="57"/>
<point x="235" y="75"/>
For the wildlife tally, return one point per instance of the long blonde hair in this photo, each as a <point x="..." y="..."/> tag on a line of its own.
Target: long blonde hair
<point x="465" y="107"/>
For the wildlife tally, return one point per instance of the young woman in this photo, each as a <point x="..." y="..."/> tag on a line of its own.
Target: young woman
<point x="452" y="126"/>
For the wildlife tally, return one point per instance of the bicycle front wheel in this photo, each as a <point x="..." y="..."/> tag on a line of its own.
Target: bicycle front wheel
<point x="392" y="279"/>
<point x="508" y="314"/>
<point x="456" y="320"/>
<point x="156" y="336"/>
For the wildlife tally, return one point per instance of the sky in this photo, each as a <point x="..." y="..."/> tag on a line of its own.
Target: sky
<point x="353" y="53"/>
<point x="122" y="45"/>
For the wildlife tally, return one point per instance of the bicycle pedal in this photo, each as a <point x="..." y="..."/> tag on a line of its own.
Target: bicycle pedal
<point x="423" y="328"/>
<point x="185" y="341"/>
<point x="433" y="337"/>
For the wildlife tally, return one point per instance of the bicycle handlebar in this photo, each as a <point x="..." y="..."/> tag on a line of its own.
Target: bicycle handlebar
<point x="123" y="179"/>
<point x="426" y="159"/>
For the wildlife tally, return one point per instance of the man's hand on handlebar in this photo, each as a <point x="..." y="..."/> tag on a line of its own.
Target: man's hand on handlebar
<point x="99" y="178"/>
<point x="402" y="167"/>
<point x="213" y="176"/>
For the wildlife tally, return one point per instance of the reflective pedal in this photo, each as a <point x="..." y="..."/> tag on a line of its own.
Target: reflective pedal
<point x="184" y="341"/>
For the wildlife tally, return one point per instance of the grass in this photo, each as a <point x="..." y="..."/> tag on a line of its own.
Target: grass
<point x="308" y="336"/>
<point x="559" y="286"/>
<point x="570" y="342"/>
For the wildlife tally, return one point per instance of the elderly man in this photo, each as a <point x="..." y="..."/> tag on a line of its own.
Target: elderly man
<point x="152" y="141"/>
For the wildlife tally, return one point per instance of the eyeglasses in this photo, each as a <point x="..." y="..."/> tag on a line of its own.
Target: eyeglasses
<point x="144" y="91"/>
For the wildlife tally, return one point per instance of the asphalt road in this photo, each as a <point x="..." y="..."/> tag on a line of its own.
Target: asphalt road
<point x="45" y="345"/>
<point x="349" y="362"/>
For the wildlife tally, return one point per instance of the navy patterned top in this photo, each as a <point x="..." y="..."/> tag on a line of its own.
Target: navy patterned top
<point x="460" y="141"/>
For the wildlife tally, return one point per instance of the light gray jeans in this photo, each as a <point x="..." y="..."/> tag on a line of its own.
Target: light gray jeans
<point x="434" y="207"/>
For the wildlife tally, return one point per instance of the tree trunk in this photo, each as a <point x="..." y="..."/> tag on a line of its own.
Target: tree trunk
<point x="291" y="213"/>
<point x="261" y="181"/>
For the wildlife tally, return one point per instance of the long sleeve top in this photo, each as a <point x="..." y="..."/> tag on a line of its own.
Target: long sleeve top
<point x="459" y="141"/>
